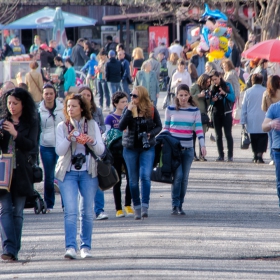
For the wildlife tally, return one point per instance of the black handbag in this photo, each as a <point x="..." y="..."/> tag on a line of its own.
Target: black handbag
<point x="157" y="176"/>
<point x="245" y="139"/>
<point x="204" y="118"/>
<point x="36" y="169"/>
<point x="107" y="174"/>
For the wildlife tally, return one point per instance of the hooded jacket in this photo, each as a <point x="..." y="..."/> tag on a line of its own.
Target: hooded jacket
<point x="113" y="70"/>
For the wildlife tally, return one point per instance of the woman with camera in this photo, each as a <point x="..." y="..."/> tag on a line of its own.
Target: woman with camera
<point x="50" y="115"/>
<point x="140" y="124"/>
<point x="222" y="99"/>
<point x="18" y="136"/>
<point x="200" y="93"/>
<point x="76" y="171"/>
<point x="180" y="120"/>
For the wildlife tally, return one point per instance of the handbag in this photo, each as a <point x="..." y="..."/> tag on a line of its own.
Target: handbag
<point x="245" y="139"/>
<point x="210" y="116"/>
<point x="6" y="171"/>
<point x="135" y="70"/>
<point x="157" y="176"/>
<point x="107" y="174"/>
<point x="204" y="118"/>
<point x="36" y="171"/>
<point x="112" y="136"/>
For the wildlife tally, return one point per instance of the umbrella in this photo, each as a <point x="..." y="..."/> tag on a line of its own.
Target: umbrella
<point x="59" y="33"/>
<point x="44" y="19"/>
<point x="267" y="49"/>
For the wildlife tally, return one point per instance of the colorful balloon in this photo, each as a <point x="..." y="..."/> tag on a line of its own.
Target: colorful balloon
<point x="220" y="31"/>
<point x="223" y="43"/>
<point x="215" y="55"/>
<point x="205" y="32"/>
<point x="214" y="43"/>
<point x="217" y="14"/>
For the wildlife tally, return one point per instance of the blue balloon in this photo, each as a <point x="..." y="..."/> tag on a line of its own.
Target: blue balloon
<point x="217" y="14"/>
<point x="227" y="54"/>
<point x="205" y="32"/>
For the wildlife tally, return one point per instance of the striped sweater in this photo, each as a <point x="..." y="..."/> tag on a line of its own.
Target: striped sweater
<point x="181" y="124"/>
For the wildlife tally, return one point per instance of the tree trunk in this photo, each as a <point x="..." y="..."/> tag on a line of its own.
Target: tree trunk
<point x="270" y="24"/>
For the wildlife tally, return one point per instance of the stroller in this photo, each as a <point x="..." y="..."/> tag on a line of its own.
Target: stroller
<point x="36" y="201"/>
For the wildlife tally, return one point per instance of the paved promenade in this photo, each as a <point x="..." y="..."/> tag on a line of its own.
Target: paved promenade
<point x="231" y="231"/>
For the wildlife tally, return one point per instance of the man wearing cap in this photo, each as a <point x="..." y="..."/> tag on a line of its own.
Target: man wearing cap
<point x="113" y="73"/>
<point x="78" y="55"/>
<point x="126" y="72"/>
<point x="46" y="57"/>
<point x="90" y="67"/>
<point x="199" y="60"/>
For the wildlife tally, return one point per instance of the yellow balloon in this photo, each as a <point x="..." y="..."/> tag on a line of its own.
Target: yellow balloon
<point x="215" y="55"/>
<point x="223" y="44"/>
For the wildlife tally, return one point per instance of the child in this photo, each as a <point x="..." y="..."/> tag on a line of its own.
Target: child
<point x="90" y="67"/>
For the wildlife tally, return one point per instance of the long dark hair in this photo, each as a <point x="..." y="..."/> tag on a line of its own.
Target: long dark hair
<point x="185" y="88"/>
<point x="92" y="103"/>
<point x="273" y="84"/>
<point x="29" y="112"/>
<point x="222" y="84"/>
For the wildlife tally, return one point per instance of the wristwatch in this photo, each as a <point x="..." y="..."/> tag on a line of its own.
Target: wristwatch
<point x="75" y="134"/>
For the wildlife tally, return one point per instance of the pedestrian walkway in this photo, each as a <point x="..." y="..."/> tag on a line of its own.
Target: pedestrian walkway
<point x="230" y="231"/>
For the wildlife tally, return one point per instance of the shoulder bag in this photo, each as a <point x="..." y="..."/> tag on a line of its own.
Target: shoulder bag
<point x="107" y="174"/>
<point x="6" y="171"/>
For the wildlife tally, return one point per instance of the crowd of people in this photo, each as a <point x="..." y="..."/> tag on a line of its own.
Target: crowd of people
<point x="43" y="116"/>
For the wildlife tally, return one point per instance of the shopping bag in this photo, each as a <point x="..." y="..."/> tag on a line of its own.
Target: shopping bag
<point x="6" y="171"/>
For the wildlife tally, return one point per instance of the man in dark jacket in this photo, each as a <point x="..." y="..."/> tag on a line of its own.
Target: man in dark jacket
<point x="235" y="54"/>
<point x="113" y="73"/>
<point x="78" y="55"/>
<point x="125" y="73"/>
<point x="199" y="60"/>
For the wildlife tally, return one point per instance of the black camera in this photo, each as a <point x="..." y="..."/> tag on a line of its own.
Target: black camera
<point x="78" y="160"/>
<point x="207" y="94"/>
<point x="219" y="96"/>
<point x="1" y="128"/>
<point x="145" y="141"/>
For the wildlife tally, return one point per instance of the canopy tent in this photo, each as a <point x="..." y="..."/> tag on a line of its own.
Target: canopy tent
<point x="44" y="18"/>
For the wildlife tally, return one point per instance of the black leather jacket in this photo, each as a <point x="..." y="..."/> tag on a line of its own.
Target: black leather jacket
<point x="128" y="125"/>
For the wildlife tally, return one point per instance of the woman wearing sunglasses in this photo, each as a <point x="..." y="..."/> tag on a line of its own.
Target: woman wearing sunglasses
<point x="50" y="115"/>
<point x="180" y="120"/>
<point x="140" y="124"/>
<point x="76" y="171"/>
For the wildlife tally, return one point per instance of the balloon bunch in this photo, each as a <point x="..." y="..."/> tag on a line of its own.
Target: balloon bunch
<point x="214" y="34"/>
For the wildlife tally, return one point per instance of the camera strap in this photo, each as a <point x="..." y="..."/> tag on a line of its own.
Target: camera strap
<point x="71" y="127"/>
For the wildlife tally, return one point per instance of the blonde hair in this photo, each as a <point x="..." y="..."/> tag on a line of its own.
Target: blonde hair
<point x="145" y="104"/>
<point x="138" y="53"/>
<point x="145" y="63"/>
<point x="174" y="58"/>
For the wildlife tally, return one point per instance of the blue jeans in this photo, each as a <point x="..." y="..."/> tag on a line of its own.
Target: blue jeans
<point x="125" y="88"/>
<point x="102" y="89"/>
<point x="113" y="87"/>
<point x="181" y="177"/>
<point x="78" y="184"/>
<point x="270" y="141"/>
<point x="49" y="159"/>
<point x="139" y="163"/>
<point x="11" y="220"/>
<point x="99" y="202"/>
<point x="276" y="156"/>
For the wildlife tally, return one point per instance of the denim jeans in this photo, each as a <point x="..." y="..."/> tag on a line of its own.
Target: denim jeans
<point x="181" y="177"/>
<point x="276" y="156"/>
<point x="49" y="159"/>
<point x="139" y="163"/>
<point x="99" y="202"/>
<point x="11" y="220"/>
<point x="125" y="88"/>
<point x="78" y="184"/>
<point x="270" y="141"/>
<point x="103" y="90"/>
<point x="113" y="87"/>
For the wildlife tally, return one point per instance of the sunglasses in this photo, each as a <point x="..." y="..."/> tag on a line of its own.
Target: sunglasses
<point x="133" y="95"/>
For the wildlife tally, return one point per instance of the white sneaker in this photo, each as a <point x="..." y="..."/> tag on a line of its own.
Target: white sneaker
<point x="85" y="254"/>
<point x="272" y="162"/>
<point x="102" y="216"/>
<point x="70" y="254"/>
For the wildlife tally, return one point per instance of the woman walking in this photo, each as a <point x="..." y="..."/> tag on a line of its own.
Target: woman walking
<point x="181" y="120"/>
<point x="50" y="115"/>
<point x="140" y="124"/>
<point x="18" y="137"/>
<point x="76" y="171"/>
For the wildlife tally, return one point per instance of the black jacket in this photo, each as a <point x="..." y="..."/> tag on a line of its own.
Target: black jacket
<point x="170" y="149"/>
<point x="128" y="125"/>
<point x="235" y="57"/>
<point x="194" y="59"/>
<point x="25" y="143"/>
<point x="113" y="70"/>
